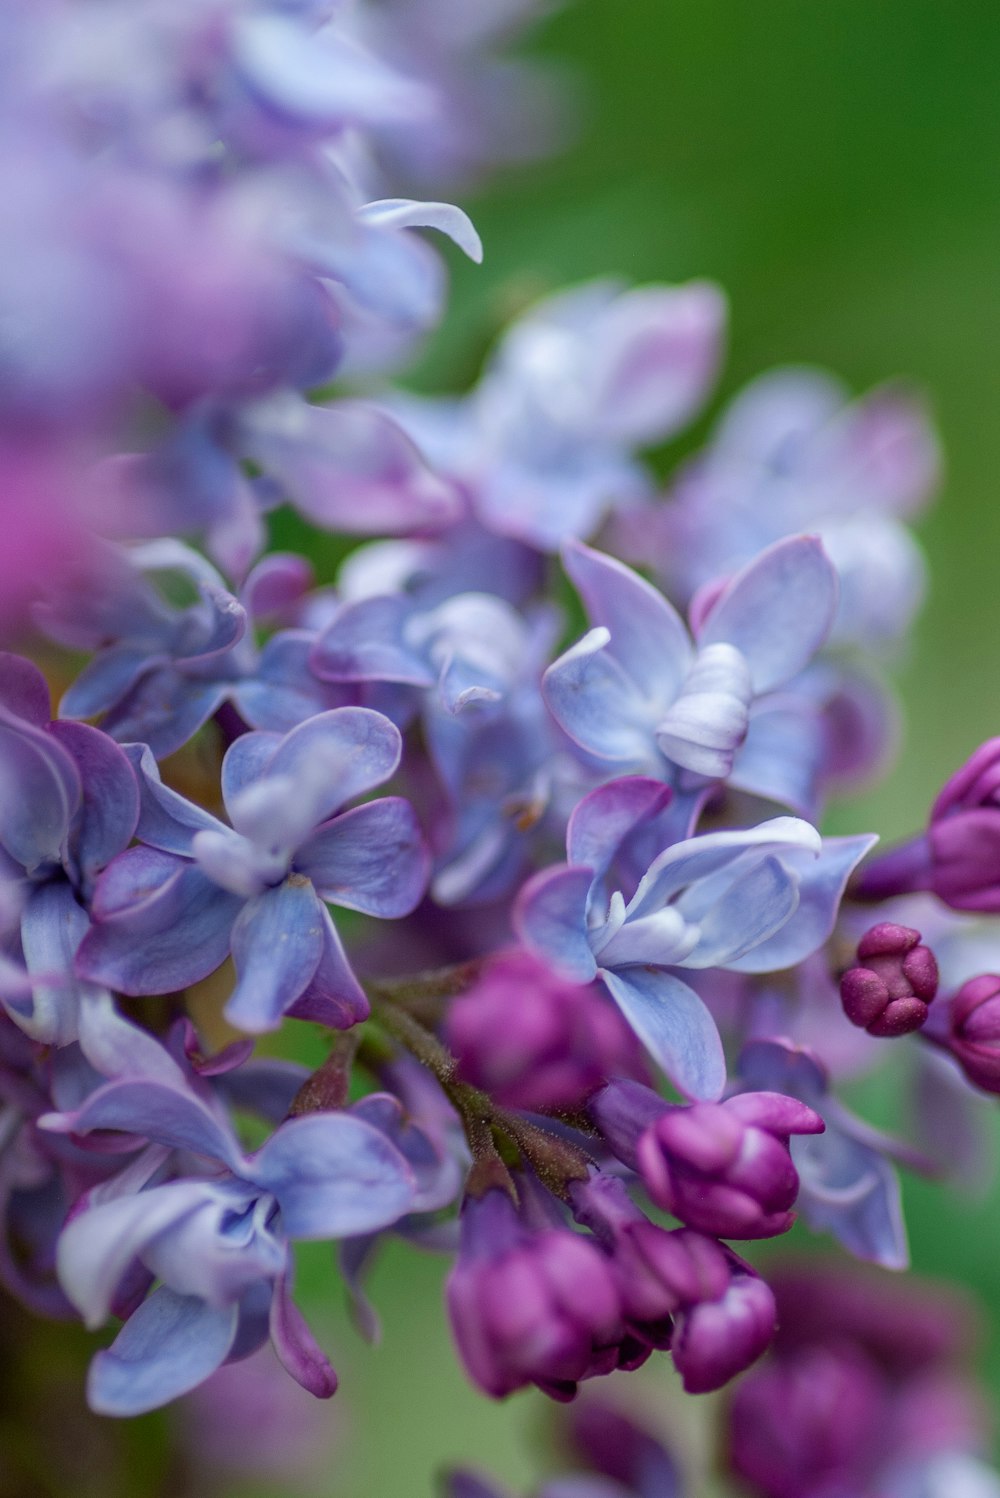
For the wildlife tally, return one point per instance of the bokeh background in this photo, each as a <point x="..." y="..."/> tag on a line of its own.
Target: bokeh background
<point x="837" y="168"/>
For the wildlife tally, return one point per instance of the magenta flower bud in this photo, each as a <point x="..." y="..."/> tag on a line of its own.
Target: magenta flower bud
<point x="725" y="1168"/>
<point x="716" y="1339"/>
<point x="533" y="1040"/>
<point x="809" y="1423"/>
<point x="657" y="1271"/>
<point x="975" y="1030"/>
<point x="964" y="834"/>
<point x="887" y="994"/>
<point x="530" y="1307"/>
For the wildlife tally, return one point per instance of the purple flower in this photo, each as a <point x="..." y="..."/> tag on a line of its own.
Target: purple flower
<point x="792" y="454"/>
<point x="218" y="1243"/>
<point x="168" y="912"/>
<point x="752" y="900"/>
<point x="544" y="444"/>
<point x="863" y="1393"/>
<point x="636" y="692"/>
<point x="895" y="980"/>
<point x="530" y="1306"/>
<point x="535" y="1041"/>
<point x="723" y="1168"/>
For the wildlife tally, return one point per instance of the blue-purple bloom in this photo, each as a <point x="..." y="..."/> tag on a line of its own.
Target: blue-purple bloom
<point x="751" y="900"/>
<point x="168" y="912"/>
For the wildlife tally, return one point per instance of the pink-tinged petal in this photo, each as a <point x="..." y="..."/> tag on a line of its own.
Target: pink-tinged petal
<point x="350" y="467"/>
<point x="777" y="611"/>
<point x="277" y="586"/>
<point x="373" y="859"/>
<point x="24" y="690"/>
<point x="334" y="1177"/>
<point x="604" y="818"/>
<point x="160" y="925"/>
<point x="169" y="1345"/>
<point x="647" y="634"/>
<point x="597" y="703"/>
<point x="297" y="1348"/>
<point x="675" y="1027"/>
<point x="409" y="213"/>
<point x="334" y="997"/>
<point x="658" y="351"/>
<point x="277" y="943"/>
<point x="550" y="917"/>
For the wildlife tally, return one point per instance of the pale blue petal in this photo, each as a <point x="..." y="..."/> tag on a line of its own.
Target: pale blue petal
<point x="408" y="213"/>
<point x="170" y="1345"/>
<point x="157" y="1111"/>
<point x="245" y="761"/>
<point x="822" y="881"/>
<point x="756" y="905"/>
<point x="647" y="634"/>
<point x="674" y="1026"/>
<point x="334" y="997"/>
<point x="361" y="749"/>
<point x="715" y="853"/>
<point x="550" y="917"/>
<point x="778" y="610"/>
<point x="277" y="944"/>
<point x="334" y="1177"/>
<point x="366" y="641"/>
<point x="159" y="925"/>
<point x="39" y="794"/>
<point x="371" y="859"/>
<point x="851" y="1191"/>
<point x="52" y="927"/>
<point x="167" y="820"/>
<point x="598" y="705"/>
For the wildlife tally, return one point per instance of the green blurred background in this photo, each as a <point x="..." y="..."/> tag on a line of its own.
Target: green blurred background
<point x="837" y="168"/>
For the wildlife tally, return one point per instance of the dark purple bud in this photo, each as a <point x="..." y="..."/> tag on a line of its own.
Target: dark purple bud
<point x="887" y="994"/>
<point x="725" y="1168"/>
<point x="975" y="1030"/>
<point x="534" y="1041"/>
<point x="810" y="1423"/>
<point x="657" y="1272"/>
<point x="958" y="859"/>
<point x="529" y="1306"/>
<point x="716" y="1339"/>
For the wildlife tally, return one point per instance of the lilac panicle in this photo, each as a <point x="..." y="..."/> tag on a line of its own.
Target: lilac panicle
<point x="168" y="912"/>
<point x="896" y="978"/>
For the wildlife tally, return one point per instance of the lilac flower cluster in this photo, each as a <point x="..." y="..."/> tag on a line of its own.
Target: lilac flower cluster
<point x="580" y="990"/>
